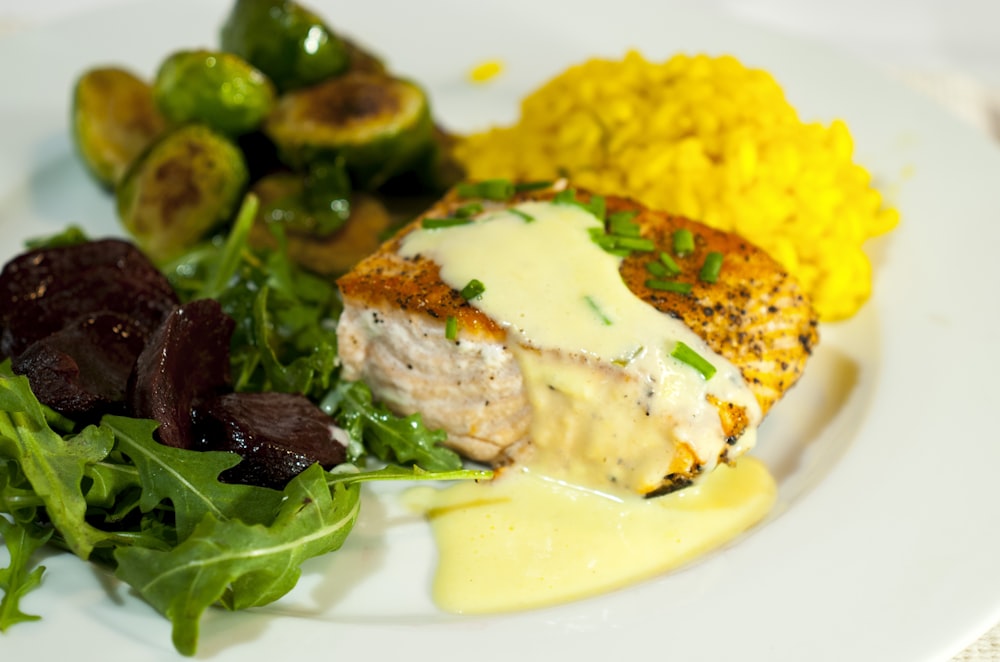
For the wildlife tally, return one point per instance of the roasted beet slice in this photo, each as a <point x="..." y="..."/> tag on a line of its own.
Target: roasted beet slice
<point x="43" y="290"/>
<point x="185" y="362"/>
<point x="83" y="369"/>
<point x="278" y="435"/>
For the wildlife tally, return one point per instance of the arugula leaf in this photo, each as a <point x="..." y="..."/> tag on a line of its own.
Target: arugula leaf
<point x="387" y="436"/>
<point x="16" y="580"/>
<point x="396" y="472"/>
<point x="242" y="565"/>
<point x="188" y="479"/>
<point x="54" y="466"/>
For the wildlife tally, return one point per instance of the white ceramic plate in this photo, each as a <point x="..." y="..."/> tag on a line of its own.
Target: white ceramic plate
<point x="885" y="542"/>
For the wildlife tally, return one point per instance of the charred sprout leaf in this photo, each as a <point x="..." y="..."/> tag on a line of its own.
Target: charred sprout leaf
<point x="218" y="89"/>
<point x="381" y="126"/>
<point x="186" y="184"/>
<point x="114" y="120"/>
<point x="390" y="438"/>
<point x="19" y="578"/>
<point x="54" y="466"/>
<point x="189" y="480"/>
<point x="241" y="565"/>
<point x="317" y="203"/>
<point x="286" y="41"/>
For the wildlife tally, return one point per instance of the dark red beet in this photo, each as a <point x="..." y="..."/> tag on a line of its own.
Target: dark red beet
<point x="82" y="370"/>
<point x="185" y="362"/>
<point x="278" y="435"/>
<point x="42" y="290"/>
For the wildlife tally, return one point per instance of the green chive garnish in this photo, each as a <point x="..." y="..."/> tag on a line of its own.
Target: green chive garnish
<point x="531" y="186"/>
<point x="710" y="269"/>
<point x="597" y="206"/>
<point x="565" y="197"/>
<point x="474" y="288"/>
<point x="438" y="223"/>
<point x="683" y="243"/>
<point x="620" y="223"/>
<point x="669" y="286"/>
<point x="628" y="358"/>
<point x="490" y="189"/>
<point x="451" y="328"/>
<point x="669" y="263"/>
<point x="658" y="270"/>
<point x="527" y="218"/>
<point x="471" y="209"/>
<point x="605" y="320"/>
<point x="685" y="354"/>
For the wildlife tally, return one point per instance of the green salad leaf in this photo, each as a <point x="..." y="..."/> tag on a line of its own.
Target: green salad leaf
<point x="19" y="577"/>
<point x="238" y="564"/>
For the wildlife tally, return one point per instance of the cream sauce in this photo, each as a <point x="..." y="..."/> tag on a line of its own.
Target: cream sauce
<point x="612" y="407"/>
<point x="524" y="541"/>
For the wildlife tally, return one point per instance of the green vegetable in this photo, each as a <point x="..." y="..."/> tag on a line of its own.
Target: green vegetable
<point x="18" y="579"/>
<point x="473" y="289"/>
<point x="669" y="286"/>
<point x="669" y="263"/>
<point x="605" y="320"/>
<point x="451" y="328"/>
<point x="286" y="41"/>
<point x="188" y="183"/>
<point x="380" y="126"/>
<point x="390" y="438"/>
<point x="711" y="268"/>
<point x="489" y="189"/>
<point x="527" y="218"/>
<point x="683" y="242"/>
<point x="114" y="120"/>
<point x="218" y="89"/>
<point x="438" y="223"/>
<point x="685" y="354"/>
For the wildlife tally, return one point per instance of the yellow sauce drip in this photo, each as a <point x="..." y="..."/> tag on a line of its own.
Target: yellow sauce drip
<point x="523" y="541"/>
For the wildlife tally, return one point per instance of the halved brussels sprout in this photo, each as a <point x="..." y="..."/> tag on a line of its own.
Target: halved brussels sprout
<point x="285" y="40"/>
<point x="316" y="203"/>
<point x="186" y="184"/>
<point x="379" y="125"/>
<point x="329" y="254"/>
<point x="114" y="120"/>
<point x="221" y="90"/>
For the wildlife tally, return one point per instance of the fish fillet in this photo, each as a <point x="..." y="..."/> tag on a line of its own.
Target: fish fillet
<point x="391" y="335"/>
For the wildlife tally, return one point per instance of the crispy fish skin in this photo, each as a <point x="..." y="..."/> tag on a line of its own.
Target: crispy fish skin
<point x="392" y="334"/>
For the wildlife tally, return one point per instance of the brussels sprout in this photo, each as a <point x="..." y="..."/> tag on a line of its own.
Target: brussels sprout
<point x="285" y="40"/>
<point x="331" y="254"/>
<point x="316" y="203"/>
<point x="114" y="120"/>
<point x="361" y="59"/>
<point x="379" y="125"/>
<point x="187" y="183"/>
<point x="218" y="89"/>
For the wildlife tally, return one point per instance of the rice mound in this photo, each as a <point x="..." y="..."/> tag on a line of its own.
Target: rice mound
<point x="707" y="138"/>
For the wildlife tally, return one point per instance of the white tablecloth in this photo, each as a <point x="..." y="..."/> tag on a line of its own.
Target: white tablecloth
<point x="949" y="49"/>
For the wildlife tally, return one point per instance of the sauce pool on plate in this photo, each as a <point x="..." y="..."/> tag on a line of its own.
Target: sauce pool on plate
<point x="525" y="541"/>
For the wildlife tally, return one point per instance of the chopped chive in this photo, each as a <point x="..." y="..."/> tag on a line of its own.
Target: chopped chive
<point x="597" y="206"/>
<point x="451" y="328"/>
<point x="669" y="286"/>
<point x="438" y="223"/>
<point x="683" y="243"/>
<point x="565" y="197"/>
<point x="685" y="354"/>
<point x="473" y="289"/>
<point x="633" y="243"/>
<point x="471" y="209"/>
<point x="669" y="263"/>
<point x="489" y="189"/>
<point x="658" y="269"/>
<point x="710" y="269"/>
<point x="531" y="186"/>
<point x="621" y="223"/>
<point x="605" y="320"/>
<point x="527" y="218"/>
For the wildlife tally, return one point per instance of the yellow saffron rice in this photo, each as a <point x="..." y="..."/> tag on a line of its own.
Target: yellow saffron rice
<point x="710" y="139"/>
